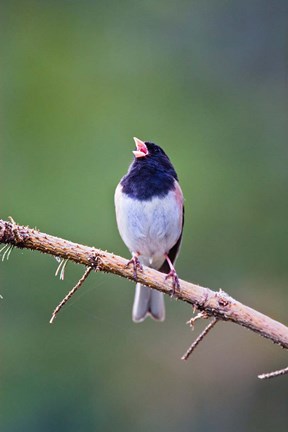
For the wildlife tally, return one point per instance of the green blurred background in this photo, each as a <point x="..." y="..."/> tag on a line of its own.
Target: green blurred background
<point x="206" y="81"/>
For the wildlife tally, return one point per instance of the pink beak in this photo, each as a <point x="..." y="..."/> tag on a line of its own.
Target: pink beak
<point x="141" y="148"/>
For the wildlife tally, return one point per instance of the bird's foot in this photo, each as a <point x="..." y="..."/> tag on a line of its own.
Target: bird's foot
<point x="137" y="266"/>
<point x="175" y="281"/>
<point x="172" y="274"/>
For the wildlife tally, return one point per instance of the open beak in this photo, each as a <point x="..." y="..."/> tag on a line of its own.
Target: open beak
<point x="141" y="148"/>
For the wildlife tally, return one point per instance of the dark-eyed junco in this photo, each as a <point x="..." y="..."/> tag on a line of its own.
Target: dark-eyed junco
<point x="150" y="217"/>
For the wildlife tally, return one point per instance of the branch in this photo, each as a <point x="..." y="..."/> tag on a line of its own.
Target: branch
<point x="70" y="294"/>
<point x="217" y="304"/>
<point x="274" y="374"/>
<point x="199" y="339"/>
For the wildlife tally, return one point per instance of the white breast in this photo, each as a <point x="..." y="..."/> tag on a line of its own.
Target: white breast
<point x="150" y="228"/>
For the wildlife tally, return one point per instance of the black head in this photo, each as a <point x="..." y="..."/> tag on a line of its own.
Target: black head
<point x="154" y="150"/>
<point x="148" y="152"/>
<point x="151" y="173"/>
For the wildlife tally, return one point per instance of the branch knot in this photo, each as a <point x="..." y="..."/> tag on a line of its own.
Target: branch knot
<point x="95" y="261"/>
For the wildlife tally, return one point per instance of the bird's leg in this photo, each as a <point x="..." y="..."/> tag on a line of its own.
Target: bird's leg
<point x="172" y="274"/>
<point x="136" y="264"/>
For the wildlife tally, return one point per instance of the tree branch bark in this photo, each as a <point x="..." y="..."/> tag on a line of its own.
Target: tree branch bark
<point x="217" y="304"/>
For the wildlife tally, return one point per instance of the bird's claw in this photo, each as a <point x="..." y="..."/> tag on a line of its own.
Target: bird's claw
<point x="175" y="281"/>
<point x="137" y="266"/>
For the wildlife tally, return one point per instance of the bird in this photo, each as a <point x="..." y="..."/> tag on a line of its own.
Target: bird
<point x="149" y="208"/>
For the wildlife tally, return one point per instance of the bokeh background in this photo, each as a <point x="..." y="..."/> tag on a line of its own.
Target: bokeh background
<point x="206" y="81"/>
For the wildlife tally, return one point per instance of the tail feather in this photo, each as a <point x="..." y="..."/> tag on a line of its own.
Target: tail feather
<point x="148" y="302"/>
<point x="157" y="306"/>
